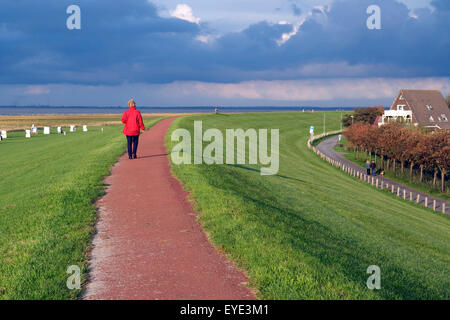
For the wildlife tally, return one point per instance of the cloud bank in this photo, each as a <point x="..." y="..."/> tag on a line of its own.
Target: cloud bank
<point x="120" y="45"/>
<point x="320" y="92"/>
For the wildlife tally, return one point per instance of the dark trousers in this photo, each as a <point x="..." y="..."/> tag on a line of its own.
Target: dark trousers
<point x="368" y="171"/>
<point x="132" y="142"/>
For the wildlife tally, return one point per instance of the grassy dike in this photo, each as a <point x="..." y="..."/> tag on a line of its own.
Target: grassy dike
<point x="311" y="231"/>
<point x="48" y="186"/>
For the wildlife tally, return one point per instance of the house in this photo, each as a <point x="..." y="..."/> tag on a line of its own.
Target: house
<point x="419" y="107"/>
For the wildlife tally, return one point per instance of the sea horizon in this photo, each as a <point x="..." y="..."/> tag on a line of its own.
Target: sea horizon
<point x="67" y="110"/>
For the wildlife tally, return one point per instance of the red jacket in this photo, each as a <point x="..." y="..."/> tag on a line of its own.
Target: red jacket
<point x="132" y="119"/>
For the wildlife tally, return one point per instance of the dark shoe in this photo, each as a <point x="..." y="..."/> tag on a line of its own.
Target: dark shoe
<point x="130" y="157"/>
<point x="134" y="157"/>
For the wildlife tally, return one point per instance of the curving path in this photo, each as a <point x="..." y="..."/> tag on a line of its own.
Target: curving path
<point x="326" y="147"/>
<point x="149" y="244"/>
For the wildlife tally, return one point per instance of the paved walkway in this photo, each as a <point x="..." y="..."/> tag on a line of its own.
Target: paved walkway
<point x="149" y="244"/>
<point x="326" y="147"/>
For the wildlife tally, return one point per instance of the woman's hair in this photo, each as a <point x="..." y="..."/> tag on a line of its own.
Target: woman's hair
<point x="131" y="103"/>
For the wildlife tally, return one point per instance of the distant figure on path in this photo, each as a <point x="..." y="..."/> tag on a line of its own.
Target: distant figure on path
<point x="373" y="167"/>
<point x="132" y="119"/>
<point x="368" y="167"/>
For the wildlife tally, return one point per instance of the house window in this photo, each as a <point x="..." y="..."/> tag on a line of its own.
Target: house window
<point x="444" y="117"/>
<point x="430" y="118"/>
<point x="401" y="97"/>
<point x="401" y="107"/>
<point x="429" y="107"/>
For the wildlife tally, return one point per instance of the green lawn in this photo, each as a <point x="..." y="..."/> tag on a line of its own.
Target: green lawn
<point x="311" y="231"/>
<point x="48" y="186"/>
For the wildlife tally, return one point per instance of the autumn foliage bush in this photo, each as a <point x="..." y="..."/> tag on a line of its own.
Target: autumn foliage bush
<point x="395" y="144"/>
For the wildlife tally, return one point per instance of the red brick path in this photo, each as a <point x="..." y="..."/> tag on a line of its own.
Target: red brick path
<point x="148" y="243"/>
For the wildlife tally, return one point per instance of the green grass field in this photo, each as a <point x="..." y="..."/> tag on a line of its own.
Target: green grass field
<point x="311" y="231"/>
<point x="25" y="122"/>
<point x="48" y="186"/>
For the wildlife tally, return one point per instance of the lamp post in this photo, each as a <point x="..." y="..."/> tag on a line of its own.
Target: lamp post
<point x="352" y="119"/>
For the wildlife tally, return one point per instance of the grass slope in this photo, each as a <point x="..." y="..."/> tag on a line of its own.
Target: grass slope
<point x="25" y="122"/>
<point x="47" y="212"/>
<point x="312" y="231"/>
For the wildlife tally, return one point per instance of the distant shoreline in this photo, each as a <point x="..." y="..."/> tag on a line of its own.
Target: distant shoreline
<point x="45" y="110"/>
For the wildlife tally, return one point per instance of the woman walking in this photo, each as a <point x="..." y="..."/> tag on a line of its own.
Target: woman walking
<point x="368" y="167"/>
<point x="373" y="167"/>
<point x="132" y="119"/>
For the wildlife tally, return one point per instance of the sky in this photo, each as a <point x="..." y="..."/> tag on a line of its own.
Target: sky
<point x="230" y="52"/>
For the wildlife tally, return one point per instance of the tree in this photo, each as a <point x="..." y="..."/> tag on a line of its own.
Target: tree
<point x="440" y="141"/>
<point x="356" y="135"/>
<point x="393" y="147"/>
<point x="364" y="115"/>
<point x="422" y="153"/>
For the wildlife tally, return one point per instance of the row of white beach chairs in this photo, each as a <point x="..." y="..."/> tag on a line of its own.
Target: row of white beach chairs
<point x="47" y="130"/>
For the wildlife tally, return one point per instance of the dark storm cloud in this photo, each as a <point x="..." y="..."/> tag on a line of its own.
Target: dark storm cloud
<point x="128" y="41"/>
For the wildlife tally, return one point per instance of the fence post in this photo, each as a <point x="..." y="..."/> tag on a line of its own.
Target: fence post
<point x="377" y="183"/>
<point x="410" y="196"/>
<point x="418" y="198"/>
<point x="398" y="192"/>
<point x="404" y="194"/>
<point x="426" y="202"/>
<point x="443" y="207"/>
<point x="392" y="188"/>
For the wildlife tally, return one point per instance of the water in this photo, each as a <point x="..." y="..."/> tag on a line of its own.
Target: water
<point x="44" y="110"/>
